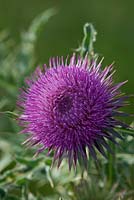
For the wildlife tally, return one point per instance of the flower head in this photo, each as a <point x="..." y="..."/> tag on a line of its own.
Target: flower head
<point x="69" y="108"/>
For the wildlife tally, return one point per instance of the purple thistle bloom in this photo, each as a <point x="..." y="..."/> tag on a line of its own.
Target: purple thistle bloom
<point x="70" y="108"/>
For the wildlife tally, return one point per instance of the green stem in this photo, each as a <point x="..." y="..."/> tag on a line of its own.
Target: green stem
<point x="88" y="41"/>
<point x="111" y="165"/>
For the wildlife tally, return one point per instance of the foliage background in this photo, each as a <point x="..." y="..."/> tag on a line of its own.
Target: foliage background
<point x="22" y="177"/>
<point x="112" y="19"/>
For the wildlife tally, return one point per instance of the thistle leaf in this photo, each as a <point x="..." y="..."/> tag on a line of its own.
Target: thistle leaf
<point x="26" y="57"/>
<point x="10" y="114"/>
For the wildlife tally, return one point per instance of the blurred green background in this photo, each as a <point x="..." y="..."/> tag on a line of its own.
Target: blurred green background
<point x="19" y="172"/>
<point x="114" y="21"/>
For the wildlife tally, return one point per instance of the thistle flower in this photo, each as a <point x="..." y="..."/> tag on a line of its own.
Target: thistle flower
<point x="71" y="108"/>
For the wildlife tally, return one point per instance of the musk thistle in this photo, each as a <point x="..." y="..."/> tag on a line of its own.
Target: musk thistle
<point x="70" y="108"/>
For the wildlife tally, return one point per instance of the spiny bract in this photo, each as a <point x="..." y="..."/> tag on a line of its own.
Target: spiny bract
<point x="69" y="108"/>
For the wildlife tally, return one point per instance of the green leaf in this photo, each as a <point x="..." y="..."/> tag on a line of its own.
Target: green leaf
<point x="30" y="163"/>
<point x="11" y="197"/>
<point x="10" y="114"/>
<point x="2" y="193"/>
<point x="42" y="188"/>
<point x="5" y="154"/>
<point x="48" y="161"/>
<point x="10" y="166"/>
<point x="22" y="181"/>
<point x="26" y="57"/>
<point x="128" y="158"/>
<point x="49" y="176"/>
<point x="126" y="131"/>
